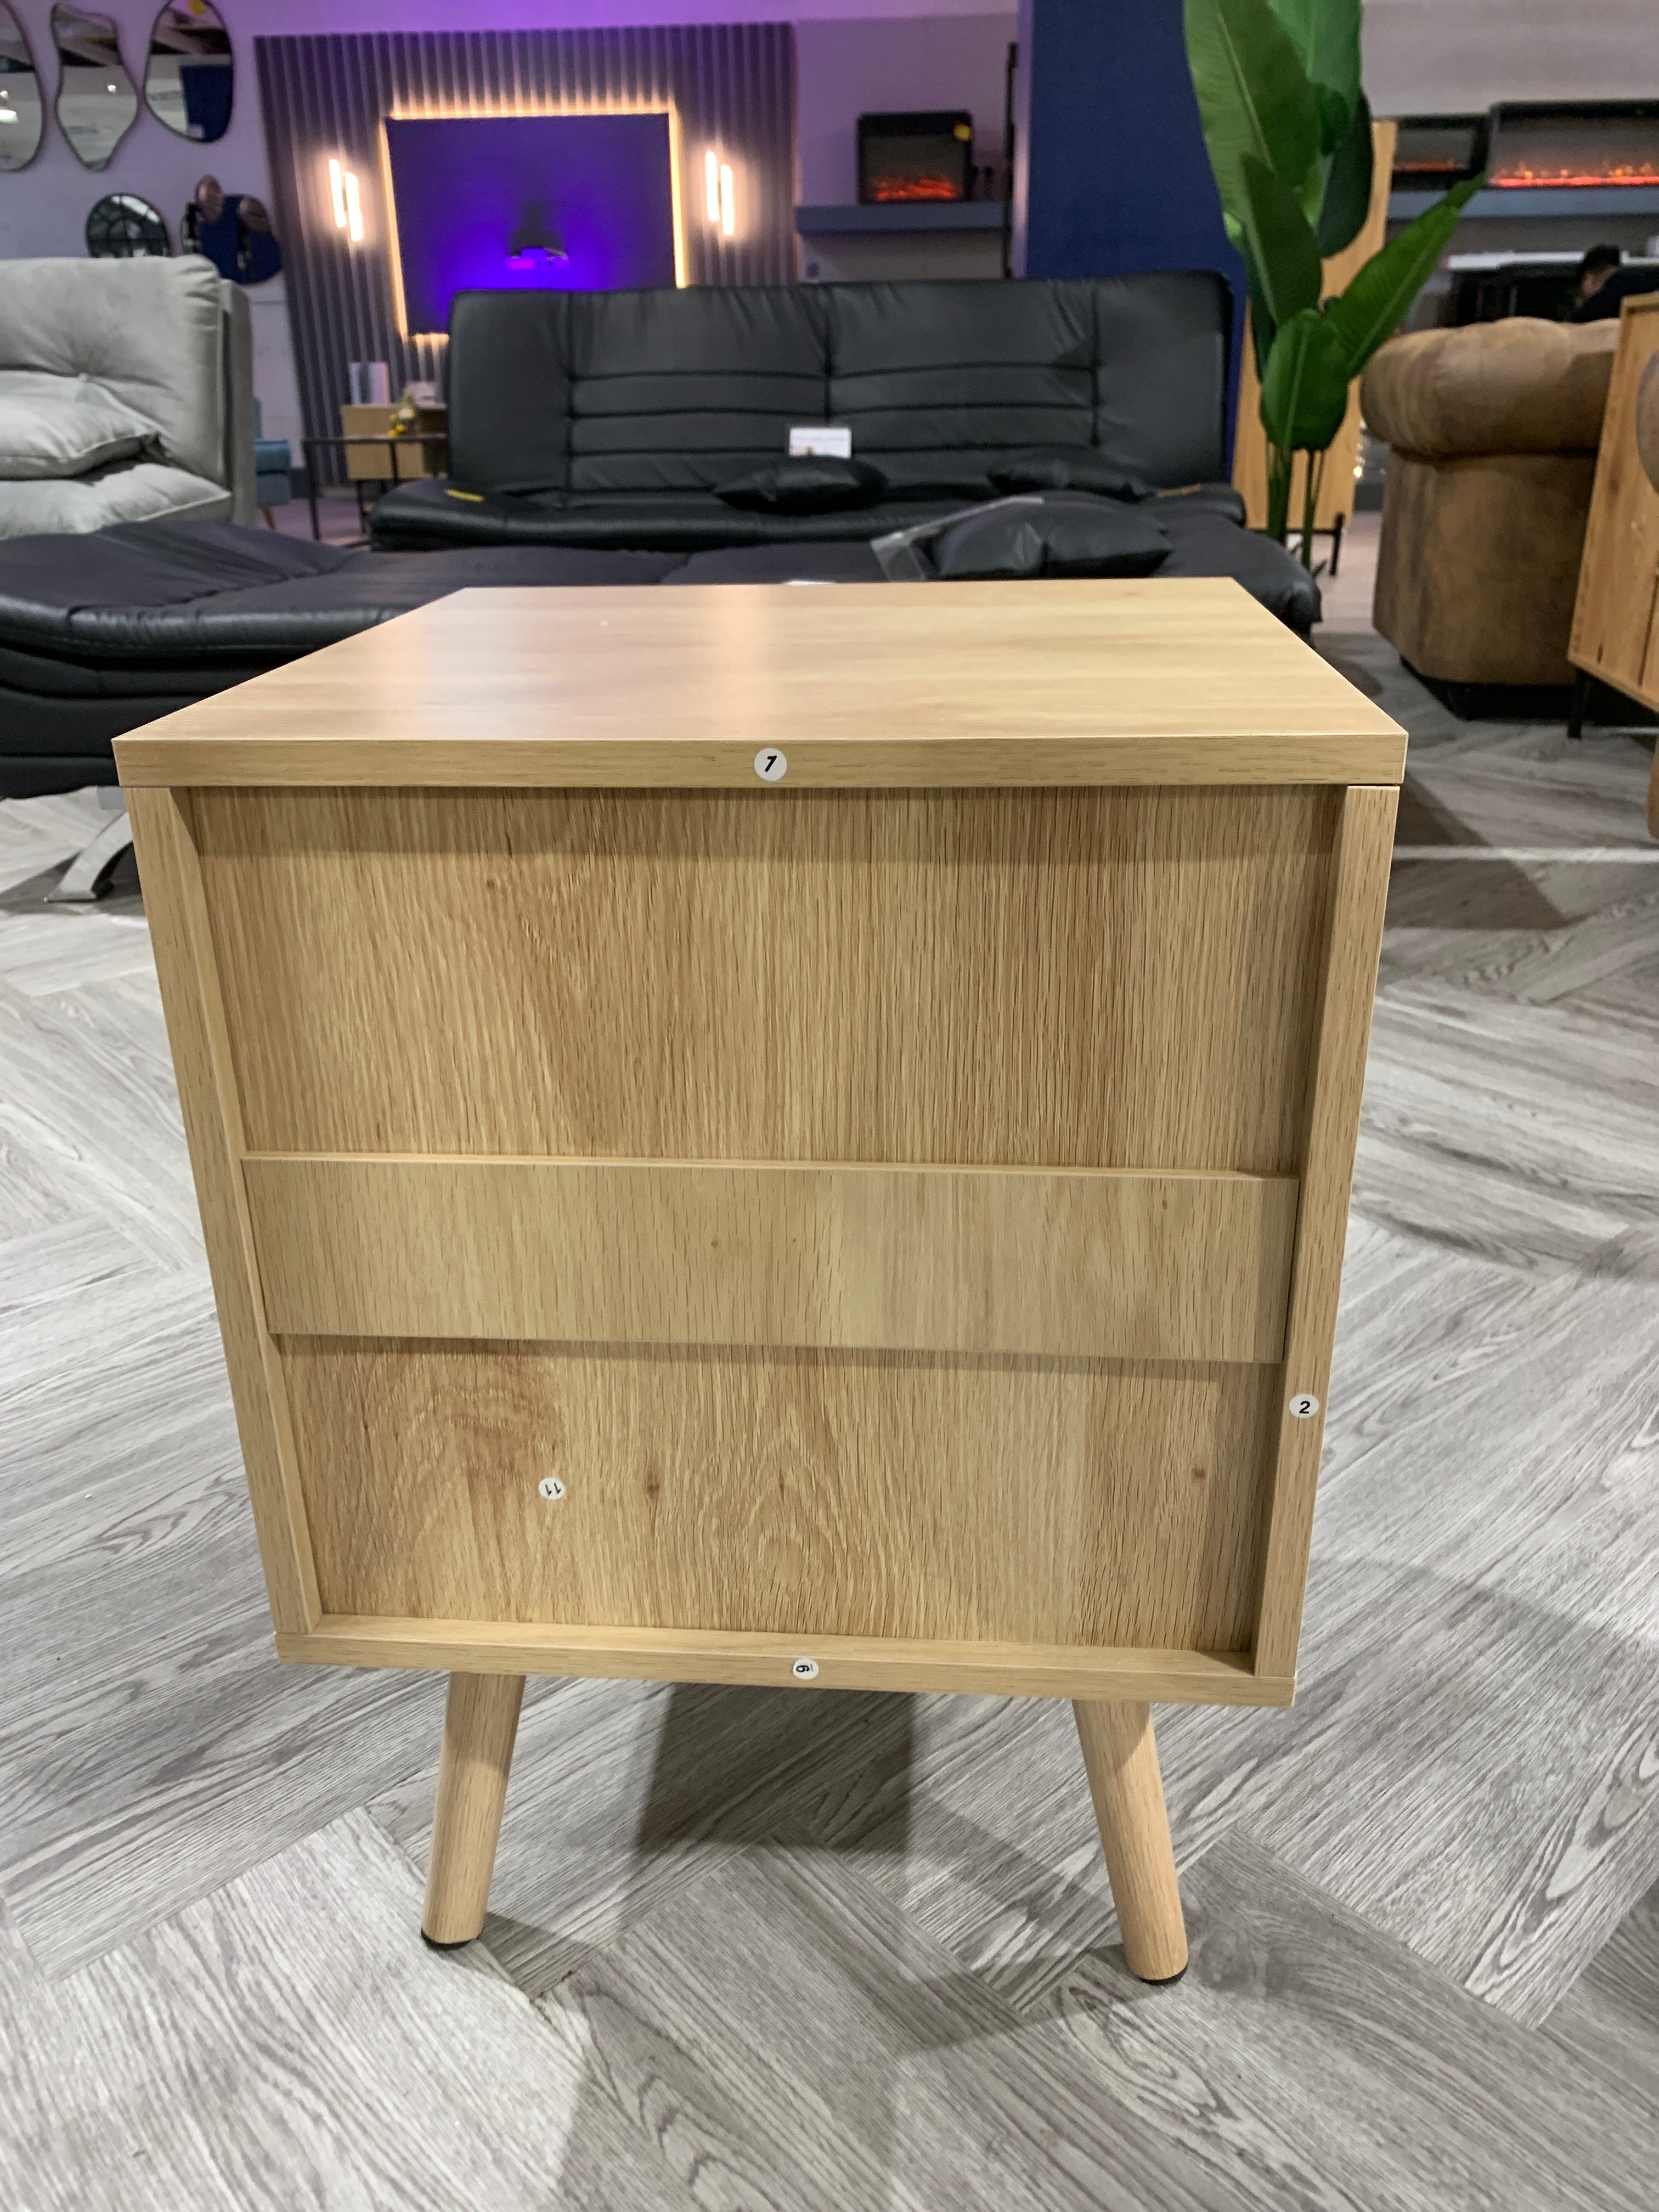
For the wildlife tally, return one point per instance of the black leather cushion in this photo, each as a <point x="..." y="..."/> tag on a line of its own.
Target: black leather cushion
<point x="937" y="379"/>
<point x="1206" y="542"/>
<point x="418" y="516"/>
<point x="1062" y="534"/>
<point x="1067" y="468"/>
<point x="1161" y="384"/>
<point x="507" y="382"/>
<point x="832" y="561"/>
<point x="152" y="593"/>
<point x="680" y="390"/>
<point x="815" y="483"/>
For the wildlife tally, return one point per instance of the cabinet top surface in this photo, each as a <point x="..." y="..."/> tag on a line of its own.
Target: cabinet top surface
<point x="1176" y="681"/>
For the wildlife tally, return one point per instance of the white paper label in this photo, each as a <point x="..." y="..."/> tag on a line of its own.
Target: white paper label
<point x="770" y="766"/>
<point x="1305" y="1406"/>
<point x="804" y="1669"/>
<point x="832" y="439"/>
<point x="550" y="1486"/>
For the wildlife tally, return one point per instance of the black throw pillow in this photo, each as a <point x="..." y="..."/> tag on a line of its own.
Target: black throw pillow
<point x="815" y="483"/>
<point x="1064" y="535"/>
<point x="1067" y="468"/>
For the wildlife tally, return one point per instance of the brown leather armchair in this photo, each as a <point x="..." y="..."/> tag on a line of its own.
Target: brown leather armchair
<point x="1494" y="429"/>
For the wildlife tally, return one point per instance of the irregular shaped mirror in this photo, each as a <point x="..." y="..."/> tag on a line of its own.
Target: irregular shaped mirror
<point x="22" y="114"/>
<point x="233" y="229"/>
<point x="189" y="74"/>
<point x="97" y="105"/>
<point x="121" y="227"/>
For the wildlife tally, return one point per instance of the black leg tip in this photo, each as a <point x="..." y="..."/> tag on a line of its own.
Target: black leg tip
<point x="433" y="1944"/>
<point x="1161" y="1981"/>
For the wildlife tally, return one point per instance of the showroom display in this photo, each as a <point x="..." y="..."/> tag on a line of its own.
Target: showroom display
<point x="894" y="1244"/>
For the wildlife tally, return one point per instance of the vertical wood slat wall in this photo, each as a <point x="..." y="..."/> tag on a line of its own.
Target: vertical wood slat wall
<point x="733" y="85"/>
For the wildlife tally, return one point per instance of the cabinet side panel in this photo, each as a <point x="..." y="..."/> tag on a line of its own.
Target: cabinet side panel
<point x="1615" y="624"/>
<point x="173" y="906"/>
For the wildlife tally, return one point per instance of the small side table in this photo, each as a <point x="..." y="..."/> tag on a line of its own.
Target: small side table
<point x="406" y="457"/>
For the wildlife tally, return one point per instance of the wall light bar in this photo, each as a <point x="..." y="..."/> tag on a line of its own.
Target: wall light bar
<point x="354" y="210"/>
<point x="711" y="176"/>
<point x="728" y="211"/>
<point x="337" y="194"/>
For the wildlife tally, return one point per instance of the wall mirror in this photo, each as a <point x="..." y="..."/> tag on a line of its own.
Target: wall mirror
<point x="22" y="113"/>
<point x="97" y="105"/>
<point x="123" y="227"/>
<point x="233" y="229"/>
<point x="189" y="74"/>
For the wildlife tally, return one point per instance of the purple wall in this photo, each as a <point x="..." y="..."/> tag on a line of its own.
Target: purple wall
<point x="529" y="203"/>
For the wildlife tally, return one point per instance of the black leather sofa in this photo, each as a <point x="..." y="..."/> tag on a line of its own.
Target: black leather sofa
<point x="611" y="419"/>
<point x="589" y="436"/>
<point x="102" y="633"/>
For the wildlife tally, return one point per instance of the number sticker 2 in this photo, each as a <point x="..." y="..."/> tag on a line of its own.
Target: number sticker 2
<point x="770" y="766"/>
<point x="1305" y="1405"/>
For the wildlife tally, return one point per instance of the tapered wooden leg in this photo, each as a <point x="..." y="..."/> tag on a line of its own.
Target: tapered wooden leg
<point x="479" y="1726"/>
<point x="1121" y="1754"/>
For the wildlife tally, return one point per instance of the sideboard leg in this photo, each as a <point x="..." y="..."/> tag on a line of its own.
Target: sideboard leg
<point x="480" y="1723"/>
<point x="1121" y="1754"/>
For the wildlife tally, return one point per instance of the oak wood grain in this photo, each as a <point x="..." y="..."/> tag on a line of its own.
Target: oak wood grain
<point x="1615" y="623"/>
<point x="1356" y="937"/>
<point x="846" y="1663"/>
<point x="1086" y="1264"/>
<point x="480" y="1722"/>
<point x="1178" y="681"/>
<point x="162" y="833"/>
<point x="1121" y="1754"/>
<point x="909" y="1495"/>
<point x="1107" y="979"/>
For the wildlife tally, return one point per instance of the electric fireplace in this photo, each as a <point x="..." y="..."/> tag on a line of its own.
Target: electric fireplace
<point x="1574" y="143"/>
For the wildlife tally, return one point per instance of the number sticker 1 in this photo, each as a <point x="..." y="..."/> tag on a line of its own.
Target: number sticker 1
<point x="770" y="766"/>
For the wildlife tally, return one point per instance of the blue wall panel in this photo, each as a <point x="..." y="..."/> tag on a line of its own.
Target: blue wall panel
<point x="1111" y="172"/>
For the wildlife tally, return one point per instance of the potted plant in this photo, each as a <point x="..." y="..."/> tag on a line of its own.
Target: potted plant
<point x="1289" y="134"/>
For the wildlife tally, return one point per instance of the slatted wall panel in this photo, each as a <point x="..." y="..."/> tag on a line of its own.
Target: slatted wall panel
<point x="734" y="85"/>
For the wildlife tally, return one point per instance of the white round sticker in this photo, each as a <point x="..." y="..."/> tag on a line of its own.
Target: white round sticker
<point x="804" y="1669"/>
<point x="550" y="1486"/>
<point x="1305" y="1406"/>
<point x="770" y="766"/>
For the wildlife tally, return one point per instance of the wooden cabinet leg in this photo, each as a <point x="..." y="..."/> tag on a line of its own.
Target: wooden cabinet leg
<point x="480" y="1723"/>
<point x="1121" y="1754"/>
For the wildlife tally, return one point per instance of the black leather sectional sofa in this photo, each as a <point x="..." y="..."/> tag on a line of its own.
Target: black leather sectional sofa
<point x="612" y="418"/>
<point x="591" y="435"/>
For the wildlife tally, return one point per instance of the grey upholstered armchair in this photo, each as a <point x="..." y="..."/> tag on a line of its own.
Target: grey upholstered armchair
<point x="126" y="395"/>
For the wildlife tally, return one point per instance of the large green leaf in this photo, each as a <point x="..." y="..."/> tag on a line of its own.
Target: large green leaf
<point x="1280" y="247"/>
<point x="1348" y="184"/>
<point x="1371" y="308"/>
<point x="1304" y="393"/>
<point x="1325" y="37"/>
<point x="1253" y="95"/>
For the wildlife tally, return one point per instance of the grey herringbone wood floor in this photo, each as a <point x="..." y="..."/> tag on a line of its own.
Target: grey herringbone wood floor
<point x="757" y="1951"/>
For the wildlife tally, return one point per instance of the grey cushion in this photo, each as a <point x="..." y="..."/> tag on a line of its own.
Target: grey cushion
<point x="149" y="333"/>
<point x="63" y="426"/>
<point x="131" y="492"/>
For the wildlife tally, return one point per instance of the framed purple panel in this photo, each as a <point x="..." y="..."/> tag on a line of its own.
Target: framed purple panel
<point x="529" y="203"/>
